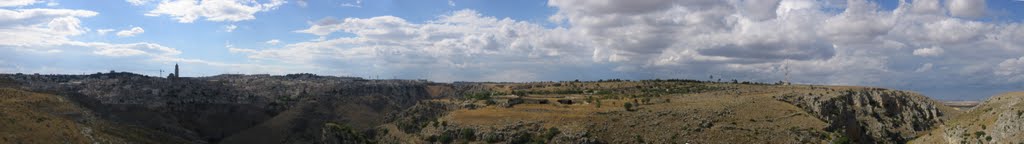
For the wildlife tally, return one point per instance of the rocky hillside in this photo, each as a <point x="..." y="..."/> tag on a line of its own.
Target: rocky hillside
<point x="27" y="117"/>
<point x="305" y="108"/>
<point x="274" y="109"/>
<point x="1000" y="119"/>
<point x="872" y="115"/>
<point x="680" y="112"/>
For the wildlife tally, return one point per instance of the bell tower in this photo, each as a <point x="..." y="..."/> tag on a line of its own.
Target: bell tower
<point x="176" y="74"/>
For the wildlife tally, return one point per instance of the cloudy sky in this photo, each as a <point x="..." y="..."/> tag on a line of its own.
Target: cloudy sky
<point x="947" y="49"/>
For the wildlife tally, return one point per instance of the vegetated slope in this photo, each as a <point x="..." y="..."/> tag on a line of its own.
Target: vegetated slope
<point x="1000" y="119"/>
<point x="27" y="117"/>
<point x="305" y="108"/>
<point x="674" y="111"/>
<point x="275" y="109"/>
<point x="360" y="108"/>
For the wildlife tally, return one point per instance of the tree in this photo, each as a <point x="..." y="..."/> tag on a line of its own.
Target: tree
<point x="628" y="106"/>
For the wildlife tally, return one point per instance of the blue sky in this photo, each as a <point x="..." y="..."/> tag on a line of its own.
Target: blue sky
<point x="948" y="49"/>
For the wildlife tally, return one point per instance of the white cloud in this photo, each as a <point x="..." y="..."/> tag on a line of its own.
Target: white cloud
<point x="104" y="31"/>
<point x="967" y="8"/>
<point x="135" y="49"/>
<point x="187" y="11"/>
<point x="230" y="28"/>
<point x="356" y="4"/>
<point x="36" y="28"/>
<point x="138" y="2"/>
<point x="130" y="32"/>
<point x="14" y="3"/>
<point x="48" y="31"/>
<point x="451" y="3"/>
<point x="929" y="52"/>
<point x="1011" y="70"/>
<point x="450" y="41"/>
<point x="273" y="42"/>
<point x="925" y="67"/>
<point x="926" y="7"/>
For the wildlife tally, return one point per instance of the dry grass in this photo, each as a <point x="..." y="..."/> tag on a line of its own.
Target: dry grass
<point x="737" y="114"/>
<point x="27" y="117"/>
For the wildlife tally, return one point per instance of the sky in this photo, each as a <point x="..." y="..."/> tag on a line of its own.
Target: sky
<point x="946" y="49"/>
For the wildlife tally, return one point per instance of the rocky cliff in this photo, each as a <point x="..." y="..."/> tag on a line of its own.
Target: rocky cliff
<point x="1000" y="119"/>
<point x="872" y="115"/>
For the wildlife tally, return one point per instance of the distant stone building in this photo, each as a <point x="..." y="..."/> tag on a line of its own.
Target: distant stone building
<point x="174" y="75"/>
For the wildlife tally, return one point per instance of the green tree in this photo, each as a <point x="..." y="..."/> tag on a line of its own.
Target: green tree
<point x="628" y="106"/>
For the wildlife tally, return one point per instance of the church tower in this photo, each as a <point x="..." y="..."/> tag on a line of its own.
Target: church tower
<point x="176" y="74"/>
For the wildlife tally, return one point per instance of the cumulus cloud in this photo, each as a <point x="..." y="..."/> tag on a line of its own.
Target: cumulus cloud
<point x="28" y="33"/>
<point x="463" y="40"/>
<point x="862" y="44"/>
<point x="927" y="52"/>
<point x="130" y="32"/>
<point x="14" y="3"/>
<point x="1011" y="69"/>
<point x="187" y="11"/>
<point x="967" y="8"/>
<point x="926" y="7"/>
<point x="40" y="27"/>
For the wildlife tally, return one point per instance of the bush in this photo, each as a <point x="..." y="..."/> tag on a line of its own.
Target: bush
<point x="445" y="138"/>
<point x="492" y="138"/>
<point x="468" y="134"/>
<point x="551" y="133"/>
<point x="432" y="139"/>
<point x="842" y="140"/>
<point x="490" y="102"/>
<point x="628" y="106"/>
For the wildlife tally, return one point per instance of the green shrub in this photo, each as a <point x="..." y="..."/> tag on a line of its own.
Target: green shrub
<point x="492" y="138"/>
<point x="445" y="138"/>
<point x="432" y="139"/>
<point x="551" y="133"/>
<point x="628" y="106"/>
<point x="468" y="134"/>
<point x="842" y="140"/>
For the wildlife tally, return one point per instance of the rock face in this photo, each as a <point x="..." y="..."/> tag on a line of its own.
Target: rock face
<point x="873" y="115"/>
<point x="1000" y="119"/>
